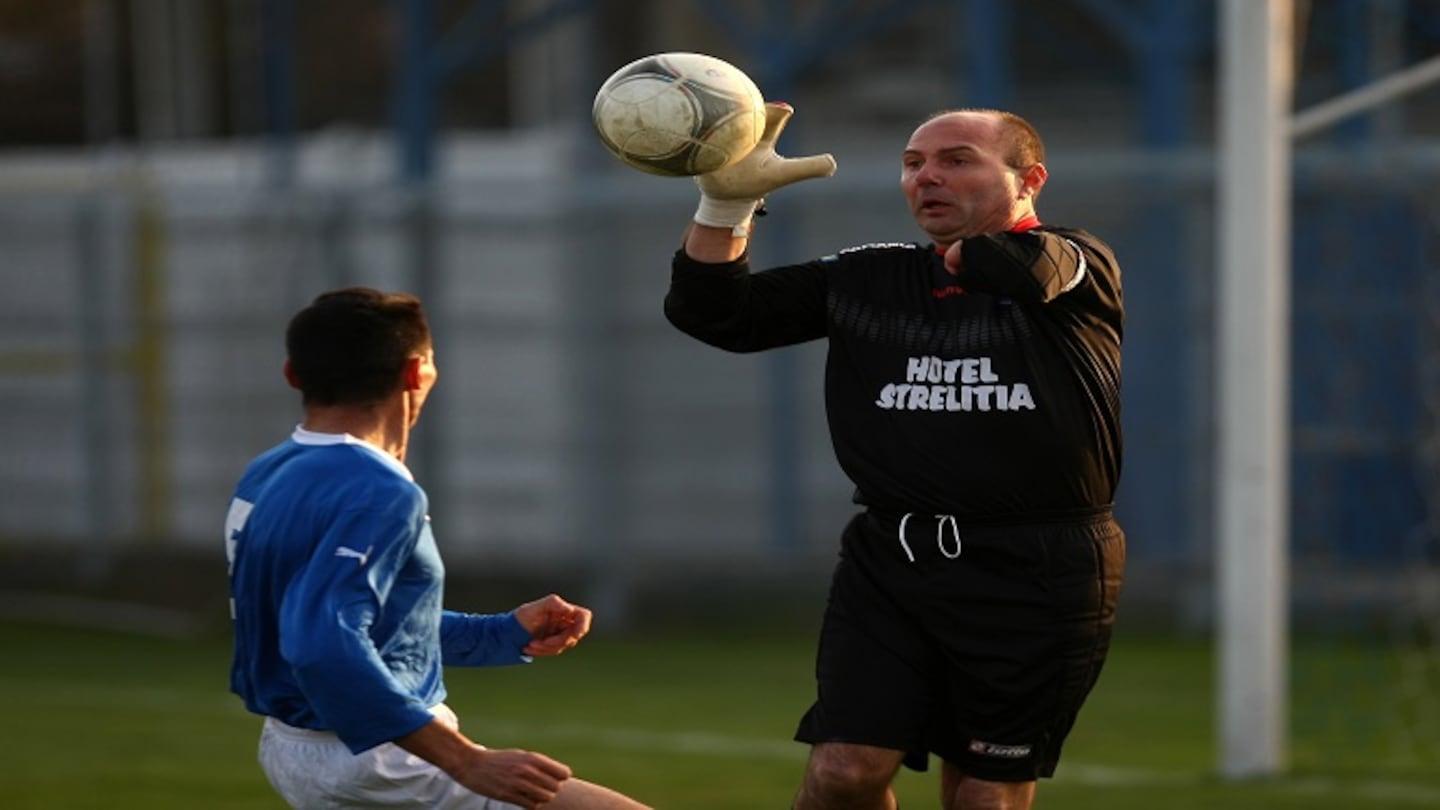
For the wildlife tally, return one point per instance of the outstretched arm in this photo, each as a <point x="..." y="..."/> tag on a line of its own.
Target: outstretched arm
<point x="545" y="626"/>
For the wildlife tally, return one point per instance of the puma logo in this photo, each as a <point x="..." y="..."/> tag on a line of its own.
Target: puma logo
<point x="362" y="556"/>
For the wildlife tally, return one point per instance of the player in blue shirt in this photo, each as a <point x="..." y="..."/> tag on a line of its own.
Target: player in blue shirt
<point x="336" y="583"/>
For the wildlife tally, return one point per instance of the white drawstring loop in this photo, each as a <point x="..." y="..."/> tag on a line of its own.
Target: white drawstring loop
<point x="904" y="544"/>
<point x="940" y="535"/>
<point x="941" y="522"/>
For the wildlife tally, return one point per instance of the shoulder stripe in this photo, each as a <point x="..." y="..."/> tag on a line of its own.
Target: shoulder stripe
<point x="1079" y="269"/>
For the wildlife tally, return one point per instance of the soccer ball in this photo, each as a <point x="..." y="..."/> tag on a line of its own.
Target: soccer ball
<point x="679" y="114"/>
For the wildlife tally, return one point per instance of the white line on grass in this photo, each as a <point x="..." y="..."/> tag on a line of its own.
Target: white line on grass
<point x="712" y="744"/>
<point x="683" y="742"/>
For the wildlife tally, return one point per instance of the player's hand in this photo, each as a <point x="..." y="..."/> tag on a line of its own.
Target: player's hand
<point x="954" y="258"/>
<point x="518" y="777"/>
<point x="729" y="196"/>
<point x="763" y="170"/>
<point x="554" y="624"/>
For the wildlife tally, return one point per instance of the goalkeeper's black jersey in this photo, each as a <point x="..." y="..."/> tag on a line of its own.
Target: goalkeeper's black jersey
<point x="989" y="394"/>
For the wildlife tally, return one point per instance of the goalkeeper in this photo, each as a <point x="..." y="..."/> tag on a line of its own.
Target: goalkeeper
<point x="972" y="390"/>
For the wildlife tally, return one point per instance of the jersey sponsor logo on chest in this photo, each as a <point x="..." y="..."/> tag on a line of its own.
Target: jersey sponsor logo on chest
<point x="963" y="384"/>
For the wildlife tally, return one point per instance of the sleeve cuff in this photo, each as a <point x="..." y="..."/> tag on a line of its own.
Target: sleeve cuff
<point x="514" y="635"/>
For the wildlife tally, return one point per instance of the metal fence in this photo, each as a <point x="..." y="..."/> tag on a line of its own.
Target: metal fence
<point x="140" y="352"/>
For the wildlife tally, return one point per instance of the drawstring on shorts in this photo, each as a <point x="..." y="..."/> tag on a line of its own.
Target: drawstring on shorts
<point x="941" y="522"/>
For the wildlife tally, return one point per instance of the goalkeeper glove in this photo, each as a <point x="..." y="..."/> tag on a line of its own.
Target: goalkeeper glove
<point x="730" y="196"/>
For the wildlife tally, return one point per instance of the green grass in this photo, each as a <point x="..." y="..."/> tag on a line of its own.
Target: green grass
<point x="107" y="721"/>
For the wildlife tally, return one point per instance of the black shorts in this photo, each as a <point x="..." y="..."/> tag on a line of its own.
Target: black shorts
<point x="982" y="657"/>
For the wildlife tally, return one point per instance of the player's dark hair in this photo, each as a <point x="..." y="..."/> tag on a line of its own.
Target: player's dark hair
<point x="1024" y="147"/>
<point x="349" y="347"/>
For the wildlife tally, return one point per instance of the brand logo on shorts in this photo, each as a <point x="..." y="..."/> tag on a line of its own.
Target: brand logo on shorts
<point x="989" y="749"/>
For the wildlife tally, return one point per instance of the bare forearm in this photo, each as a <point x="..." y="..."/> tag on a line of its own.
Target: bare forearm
<point x="704" y="243"/>
<point x="526" y="778"/>
<point x="440" y="745"/>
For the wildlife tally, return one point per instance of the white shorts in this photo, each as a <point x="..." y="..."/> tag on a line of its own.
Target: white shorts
<point x="313" y="770"/>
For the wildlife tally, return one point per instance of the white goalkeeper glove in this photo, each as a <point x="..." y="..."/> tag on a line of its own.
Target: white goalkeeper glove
<point x="729" y="196"/>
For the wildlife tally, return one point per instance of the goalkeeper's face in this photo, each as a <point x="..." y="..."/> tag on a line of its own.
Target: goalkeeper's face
<point x="957" y="182"/>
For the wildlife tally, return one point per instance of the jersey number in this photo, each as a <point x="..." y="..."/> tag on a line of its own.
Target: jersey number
<point x="234" y="524"/>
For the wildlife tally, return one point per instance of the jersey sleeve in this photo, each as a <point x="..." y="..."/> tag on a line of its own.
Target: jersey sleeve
<point x="727" y="306"/>
<point x="482" y="640"/>
<point x="326" y="618"/>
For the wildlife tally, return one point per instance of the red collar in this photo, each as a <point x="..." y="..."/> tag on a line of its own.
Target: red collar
<point x="1029" y="223"/>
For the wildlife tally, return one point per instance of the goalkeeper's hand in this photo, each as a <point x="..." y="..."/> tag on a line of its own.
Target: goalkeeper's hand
<point x="729" y="196"/>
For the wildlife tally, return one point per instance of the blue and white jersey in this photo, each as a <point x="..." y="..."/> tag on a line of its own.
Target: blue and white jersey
<point x="336" y="588"/>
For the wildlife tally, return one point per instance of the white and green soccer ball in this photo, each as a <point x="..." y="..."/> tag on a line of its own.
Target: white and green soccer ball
<point x="679" y="114"/>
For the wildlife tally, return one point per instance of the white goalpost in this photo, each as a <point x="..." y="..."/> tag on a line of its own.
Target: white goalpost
<point x="1257" y="63"/>
<point x="1253" y="372"/>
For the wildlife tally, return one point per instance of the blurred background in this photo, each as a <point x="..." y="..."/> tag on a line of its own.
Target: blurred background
<point x="177" y="177"/>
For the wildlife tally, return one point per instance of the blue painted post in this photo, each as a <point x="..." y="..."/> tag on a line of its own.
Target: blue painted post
<point x="1163" y="52"/>
<point x="277" y="27"/>
<point x="414" y="115"/>
<point x="414" y="124"/>
<point x="1353" y="64"/>
<point x="1165" y="416"/>
<point x="985" y="30"/>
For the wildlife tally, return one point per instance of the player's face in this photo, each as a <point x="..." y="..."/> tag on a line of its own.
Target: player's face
<point x="956" y="181"/>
